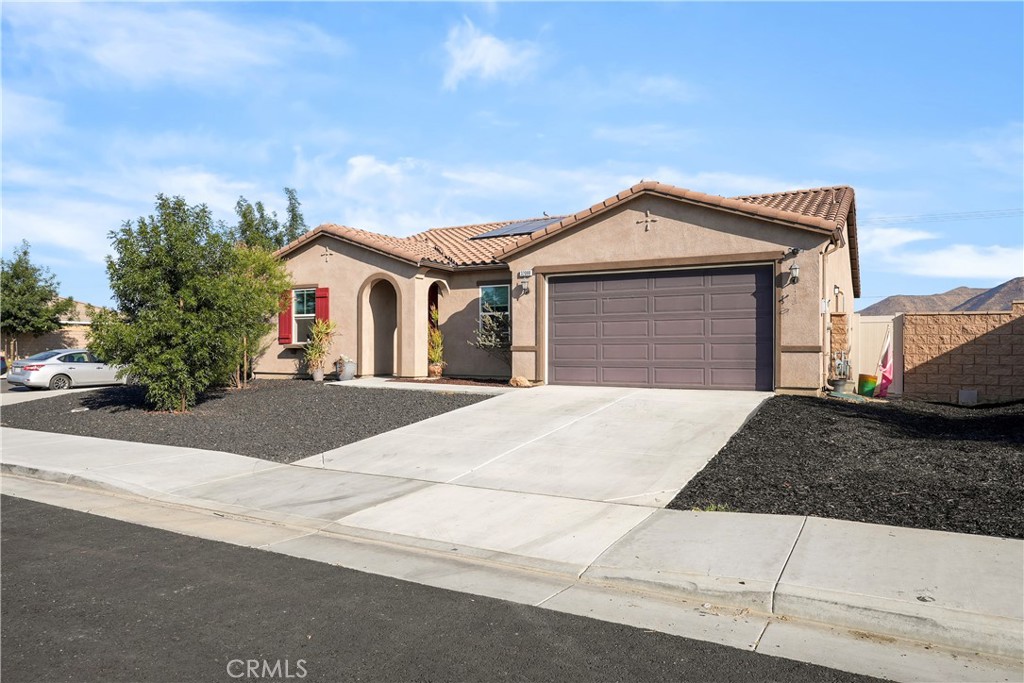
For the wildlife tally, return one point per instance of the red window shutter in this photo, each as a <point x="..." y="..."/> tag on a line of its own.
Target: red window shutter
<point x="323" y="308"/>
<point x="284" y="320"/>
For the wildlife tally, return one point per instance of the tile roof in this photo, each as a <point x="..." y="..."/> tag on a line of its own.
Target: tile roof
<point x="823" y="209"/>
<point x="833" y="204"/>
<point x="452" y="247"/>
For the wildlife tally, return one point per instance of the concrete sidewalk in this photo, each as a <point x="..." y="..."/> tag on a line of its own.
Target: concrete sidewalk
<point x="787" y="586"/>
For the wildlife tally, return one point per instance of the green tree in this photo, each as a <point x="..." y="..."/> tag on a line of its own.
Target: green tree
<point x="188" y="298"/>
<point x="295" y="227"/>
<point x="29" y="302"/>
<point x="254" y="296"/>
<point x="257" y="228"/>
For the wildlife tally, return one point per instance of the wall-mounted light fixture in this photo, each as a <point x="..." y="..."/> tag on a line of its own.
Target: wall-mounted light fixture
<point x="835" y="290"/>
<point x="524" y="280"/>
<point x="794" y="273"/>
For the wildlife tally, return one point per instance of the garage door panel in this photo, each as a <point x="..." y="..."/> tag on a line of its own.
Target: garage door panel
<point x="625" y="328"/>
<point x="575" y="307"/>
<point x="735" y="351"/>
<point x="668" y="304"/>
<point x="733" y="378"/>
<point x="733" y="302"/>
<point x="573" y="374"/>
<point x="641" y="351"/>
<point x="703" y="328"/>
<point x="679" y="351"/>
<point x="576" y="352"/>
<point x="624" y="283"/>
<point x="578" y="307"/>
<point x="626" y="375"/>
<point x="677" y="377"/>
<point x="619" y="305"/>
<point x="679" y="328"/>
<point x="733" y="326"/>
<point x="734" y="278"/>
<point x="574" y="285"/>
<point x="580" y="329"/>
<point x="662" y="282"/>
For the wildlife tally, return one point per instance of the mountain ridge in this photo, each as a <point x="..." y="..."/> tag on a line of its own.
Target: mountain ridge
<point x="958" y="299"/>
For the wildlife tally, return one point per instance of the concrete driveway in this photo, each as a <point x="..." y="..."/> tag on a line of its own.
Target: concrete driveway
<point x="633" y="446"/>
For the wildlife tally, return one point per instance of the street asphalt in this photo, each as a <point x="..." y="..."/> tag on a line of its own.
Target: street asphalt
<point x="87" y="598"/>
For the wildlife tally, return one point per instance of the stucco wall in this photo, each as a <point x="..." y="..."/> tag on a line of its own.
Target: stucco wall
<point x="684" y="235"/>
<point x="347" y="273"/>
<point x="946" y="352"/>
<point x="68" y="337"/>
<point x="350" y="273"/>
<point x="458" y="312"/>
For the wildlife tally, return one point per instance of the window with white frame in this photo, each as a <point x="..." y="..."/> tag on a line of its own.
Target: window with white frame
<point x="303" y="314"/>
<point x="494" y="309"/>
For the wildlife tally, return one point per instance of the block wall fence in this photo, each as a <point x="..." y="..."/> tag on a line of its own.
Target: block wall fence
<point x="946" y="352"/>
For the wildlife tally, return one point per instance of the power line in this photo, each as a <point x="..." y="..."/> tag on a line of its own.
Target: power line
<point x="944" y="217"/>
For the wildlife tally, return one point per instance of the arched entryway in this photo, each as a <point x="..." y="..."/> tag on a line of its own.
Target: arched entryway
<point x="381" y="352"/>
<point x="433" y="297"/>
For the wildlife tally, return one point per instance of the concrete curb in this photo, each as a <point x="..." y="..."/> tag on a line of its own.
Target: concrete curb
<point x="787" y="585"/>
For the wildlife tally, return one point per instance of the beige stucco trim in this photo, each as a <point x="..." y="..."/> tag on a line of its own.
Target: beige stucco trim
<point x="660" y="264"/>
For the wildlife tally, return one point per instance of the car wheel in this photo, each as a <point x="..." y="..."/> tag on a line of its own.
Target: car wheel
<point x="60" y="382"/>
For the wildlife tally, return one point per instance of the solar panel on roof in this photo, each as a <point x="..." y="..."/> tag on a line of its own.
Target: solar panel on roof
<point x="518" y="228"/>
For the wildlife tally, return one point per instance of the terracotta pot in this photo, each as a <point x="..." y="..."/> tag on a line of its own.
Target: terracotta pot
<point x="434" y="370"/>
<point x="318" y="375"/>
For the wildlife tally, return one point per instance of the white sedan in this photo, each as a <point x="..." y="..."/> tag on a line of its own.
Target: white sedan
<point x="63" y="369"/>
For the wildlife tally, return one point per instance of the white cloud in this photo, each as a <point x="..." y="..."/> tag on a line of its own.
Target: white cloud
<point x="139" y="182"/>
<point x="882" y="240"/>
<point x="886" y="248"/>
<point x="1000" y="149"/>
<point x="664" y="88"/>
<point x="408" y="195"/>
<point x="963" y="261"/>
<point x="79" y="227"/>
<point x="645" y="135"/>
<point x="149" y="44"/>
<point x="729" y="184"/>
<point x="473" y="53"/>
<point x="30" y="116"/>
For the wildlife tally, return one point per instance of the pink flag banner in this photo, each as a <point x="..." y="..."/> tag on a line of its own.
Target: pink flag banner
<point x="885" y="367"/>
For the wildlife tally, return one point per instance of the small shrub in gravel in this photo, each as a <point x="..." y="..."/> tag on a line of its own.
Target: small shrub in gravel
<point x="901" y="463"/>
<point x="279" y="420"/>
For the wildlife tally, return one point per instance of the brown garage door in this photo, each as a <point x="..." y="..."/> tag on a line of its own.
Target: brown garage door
<point x="708" y="328"/>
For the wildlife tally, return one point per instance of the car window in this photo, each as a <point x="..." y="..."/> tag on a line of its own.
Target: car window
<point x="45" y="355"/>
<point x="93" y="358"/>
<point x="74" y="358"/>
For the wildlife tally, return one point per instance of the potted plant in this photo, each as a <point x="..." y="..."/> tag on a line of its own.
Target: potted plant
<point x="317" y="347"/>
<point x="435" y="346"/>
<point x="345" y="367"/>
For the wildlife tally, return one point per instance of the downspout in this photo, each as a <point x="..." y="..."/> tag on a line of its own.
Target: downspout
<point x="826" y="307"/>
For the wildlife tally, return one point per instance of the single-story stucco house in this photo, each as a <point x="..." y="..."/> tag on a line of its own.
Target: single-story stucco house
<point x="657" y="286"/>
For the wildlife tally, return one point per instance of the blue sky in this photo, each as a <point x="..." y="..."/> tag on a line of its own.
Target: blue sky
<point x="401" y="117"/>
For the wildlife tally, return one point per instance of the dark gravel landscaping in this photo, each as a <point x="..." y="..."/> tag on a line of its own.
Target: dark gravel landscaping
<point x="279" y="420"/>
<point x="901" y="463"/>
